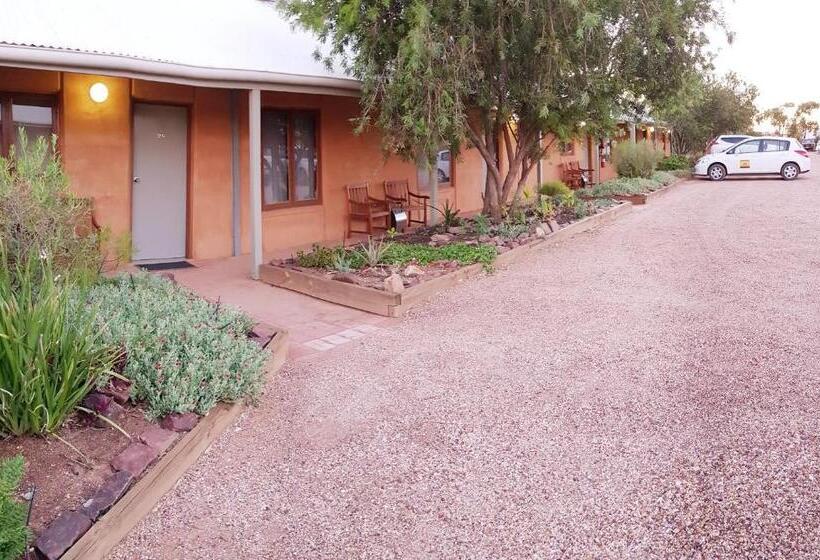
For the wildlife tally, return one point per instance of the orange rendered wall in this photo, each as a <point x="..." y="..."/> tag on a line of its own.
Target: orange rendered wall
<point x="95" y="143"/>
<point x="96" y="146"/>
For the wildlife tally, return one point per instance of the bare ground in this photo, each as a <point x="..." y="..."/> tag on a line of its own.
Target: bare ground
<point x="646" y="390"/>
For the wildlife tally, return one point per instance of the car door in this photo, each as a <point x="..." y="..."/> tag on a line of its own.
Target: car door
<point x="773" y="154"/>
<point x="744" y="158"/>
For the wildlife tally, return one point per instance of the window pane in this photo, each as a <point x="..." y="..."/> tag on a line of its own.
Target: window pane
<point x="274" y="157"/>
<point x="748" y="148"/>
<point x="306" y="158"/>
<point x="36" y="121"/>
<point x="443" y="166"/>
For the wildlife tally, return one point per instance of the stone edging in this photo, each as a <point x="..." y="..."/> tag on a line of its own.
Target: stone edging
<point x="395" y="304"/>
<point x="129" y="506"/>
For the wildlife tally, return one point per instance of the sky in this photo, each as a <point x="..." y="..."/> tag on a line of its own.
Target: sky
<point x="776" y="48"/>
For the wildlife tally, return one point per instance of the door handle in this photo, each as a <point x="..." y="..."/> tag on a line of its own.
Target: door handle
<point x="136" y="179"/>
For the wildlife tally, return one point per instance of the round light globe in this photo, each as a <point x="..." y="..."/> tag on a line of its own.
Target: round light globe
<point x="98" y="92"/>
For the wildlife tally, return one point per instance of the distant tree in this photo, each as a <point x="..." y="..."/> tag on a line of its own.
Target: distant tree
<point x="450" y="73"/>
<point x="708" y="107"/>
<point x="790" y="119"/>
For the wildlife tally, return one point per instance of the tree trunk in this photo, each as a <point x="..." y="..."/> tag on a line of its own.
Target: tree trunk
<point x="432" y="181"/>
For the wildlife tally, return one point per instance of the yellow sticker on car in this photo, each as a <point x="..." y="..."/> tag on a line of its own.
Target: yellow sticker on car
<point x="745" y="164"/>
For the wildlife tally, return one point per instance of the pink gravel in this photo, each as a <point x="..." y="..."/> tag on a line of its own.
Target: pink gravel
<point x="646" y="390"/>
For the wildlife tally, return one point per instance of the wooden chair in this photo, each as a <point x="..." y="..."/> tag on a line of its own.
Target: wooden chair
<point x="364" y="208"/>
<point x="398" y="195"/>
<point x="575" y="176"/>
<point x="571" y="176"/>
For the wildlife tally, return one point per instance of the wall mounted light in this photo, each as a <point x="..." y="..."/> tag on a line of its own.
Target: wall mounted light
<point x="98" y="92"/>
<point x="650" y="129"/>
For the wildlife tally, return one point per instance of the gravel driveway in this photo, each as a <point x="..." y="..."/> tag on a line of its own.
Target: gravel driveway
<point x="646" y="390"/>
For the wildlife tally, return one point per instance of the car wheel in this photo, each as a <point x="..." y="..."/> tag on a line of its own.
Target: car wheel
<point x="717" y="172"/>
<point x="790" y="171"/>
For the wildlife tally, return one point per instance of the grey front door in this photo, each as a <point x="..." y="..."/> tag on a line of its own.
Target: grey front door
<point x="159" y="188"/>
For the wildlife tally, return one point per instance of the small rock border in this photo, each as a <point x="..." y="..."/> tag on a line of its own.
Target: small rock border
<point x="129" y="465"/>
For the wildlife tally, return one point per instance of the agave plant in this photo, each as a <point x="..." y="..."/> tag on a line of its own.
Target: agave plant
<point x="374" y="251"/>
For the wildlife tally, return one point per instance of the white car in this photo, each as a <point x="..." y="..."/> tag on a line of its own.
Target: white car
<point x="724" y="142"/>
<point x="757" y="156"/>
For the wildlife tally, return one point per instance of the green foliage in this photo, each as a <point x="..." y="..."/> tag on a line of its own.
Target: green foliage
<point x="545" y="209"/>
<point x="403" y="253"/>
<point x="440" y="73"/>
<point x="481" y="224"/>
<point x="582" y="209"/>
<point x="636" y="159"/>
<point x="39" y="213"/>
<point x="14" y="533"/>
<point x="674" y="162"/>
<point x="374" y="251"/>
<point x="628" y="186"/>
<point x="317" y="257"/>
<point x="706" y="107"/>
<point x="663" y="178"/>
<point x="511" y="230"/>
<point x="342" y="262"/>
<point x="449" y="215"/>
<point x="554" y="188"/>
<point x="184" y="353"/>
<point x="792" y="120"/>
<point x="51" y="354"/>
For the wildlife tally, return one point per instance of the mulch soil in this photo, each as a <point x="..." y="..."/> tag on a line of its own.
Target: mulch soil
<point x="64" y="477"/>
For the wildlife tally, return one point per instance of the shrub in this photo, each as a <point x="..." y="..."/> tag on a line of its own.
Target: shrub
<point x="674" y="162"/>
<point x="184" y="353"/>
<point x="620" y="186"/>
<point x="317" y="257"/>
<point x="636" y="159"/>
<point x="38" y="213"/>
<point x="374" y="251"/>
<point x="481" y="224"/>
<point x="51" y="354"/>
<point x="449" y="215"/>
<point x="663" y="178"/>
<point x="511" y="230"/>
<point x="554" y="188"/>
<point x="14" y="533"/>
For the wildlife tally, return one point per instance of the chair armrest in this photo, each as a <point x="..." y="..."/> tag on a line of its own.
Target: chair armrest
<point x="393" y="198"/>
<point x="419" y="196"/>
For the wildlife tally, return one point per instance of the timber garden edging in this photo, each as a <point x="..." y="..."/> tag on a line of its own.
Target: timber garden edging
<point x="390" y="304"/>
<point x="143" y="496"/>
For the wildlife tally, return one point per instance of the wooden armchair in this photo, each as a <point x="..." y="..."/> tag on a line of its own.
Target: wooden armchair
<point x="364" y="208"/>
<point x="398" y="195"/>
<point x="574" y="175"/>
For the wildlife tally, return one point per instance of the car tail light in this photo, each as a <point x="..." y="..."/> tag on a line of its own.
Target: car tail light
<point x="803" y="153"/>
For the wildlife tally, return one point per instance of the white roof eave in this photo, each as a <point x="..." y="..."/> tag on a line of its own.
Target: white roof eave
<point x="124" y="66"/>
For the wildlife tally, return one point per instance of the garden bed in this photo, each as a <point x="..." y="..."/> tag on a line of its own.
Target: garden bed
<point x="414" y="286"/>
<point x="636" y="191"/>
<point x="86" y="468"/>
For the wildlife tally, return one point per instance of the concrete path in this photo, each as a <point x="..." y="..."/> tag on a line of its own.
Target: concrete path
<point x="646" y="390"/>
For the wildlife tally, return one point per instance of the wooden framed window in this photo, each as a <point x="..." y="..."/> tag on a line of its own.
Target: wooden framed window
<point x="566" y="148"/>
<point x="290" y="158"/>
<point x="36" y="114"/>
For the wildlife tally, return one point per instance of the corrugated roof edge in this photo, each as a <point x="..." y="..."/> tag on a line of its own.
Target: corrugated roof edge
<point x="157" y="70"/>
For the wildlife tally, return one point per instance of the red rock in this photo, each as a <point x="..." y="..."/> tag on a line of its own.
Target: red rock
<point x="180" y="422"/>
<point x="134" y="458"/>
<point x="113" y="414"/>
<point x="118" y="390"/>
<point x="107" y="495"/>
<point x="61" y="534"/>
<point x="158" y="438"/>
<point x="97" y="402"/>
